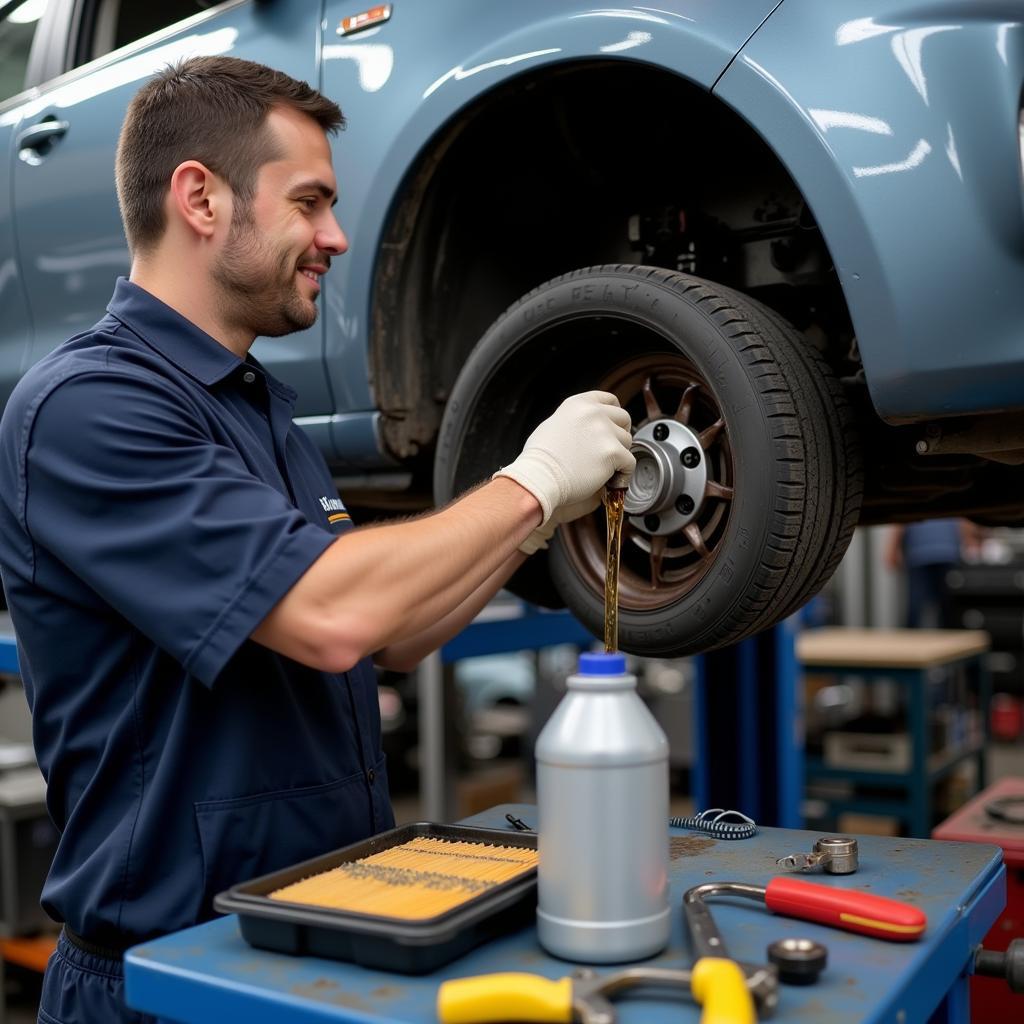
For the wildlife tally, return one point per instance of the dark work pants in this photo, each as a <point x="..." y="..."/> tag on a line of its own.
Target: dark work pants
<point x="927" y="594"/>
<point x="79" y="988"/>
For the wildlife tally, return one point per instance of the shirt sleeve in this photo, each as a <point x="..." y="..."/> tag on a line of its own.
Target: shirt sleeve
<point x="127" y="484"/>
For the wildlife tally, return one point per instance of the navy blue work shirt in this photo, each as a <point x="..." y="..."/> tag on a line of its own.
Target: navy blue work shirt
<point x="931" y="542"/>
<point x="157" y="502"/>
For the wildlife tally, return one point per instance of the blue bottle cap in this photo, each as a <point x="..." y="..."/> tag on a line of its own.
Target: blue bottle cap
<point x="602" y="664"/>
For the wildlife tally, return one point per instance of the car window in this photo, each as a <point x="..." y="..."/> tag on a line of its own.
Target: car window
<point x="120" y="22"/>
<point x="17" y="30"/>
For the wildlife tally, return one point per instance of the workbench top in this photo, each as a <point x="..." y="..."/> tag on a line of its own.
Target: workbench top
<point x="888" y="648"/>
<point x="210" y="974"/>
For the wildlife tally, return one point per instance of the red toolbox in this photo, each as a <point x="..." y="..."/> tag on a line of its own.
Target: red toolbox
<point x="996" y="815"/>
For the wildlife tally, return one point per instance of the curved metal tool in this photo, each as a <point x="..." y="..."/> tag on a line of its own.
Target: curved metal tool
<point x="762" y="979"/>
<point x="585" y="997"/>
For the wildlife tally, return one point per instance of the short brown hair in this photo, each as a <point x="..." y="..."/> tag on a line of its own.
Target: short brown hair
<point x="210" y="109"/>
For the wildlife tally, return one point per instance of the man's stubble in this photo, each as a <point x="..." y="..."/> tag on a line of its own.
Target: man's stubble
<point x="257" y="282"/>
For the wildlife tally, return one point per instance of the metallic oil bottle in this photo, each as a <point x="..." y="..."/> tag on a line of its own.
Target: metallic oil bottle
<point x="602" y="801"/>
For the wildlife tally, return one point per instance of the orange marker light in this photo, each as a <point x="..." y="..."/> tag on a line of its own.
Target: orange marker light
<point x="364" y="20"/>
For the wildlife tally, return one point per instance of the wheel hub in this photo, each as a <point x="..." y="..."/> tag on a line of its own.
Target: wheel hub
<point x="668" y="484"/>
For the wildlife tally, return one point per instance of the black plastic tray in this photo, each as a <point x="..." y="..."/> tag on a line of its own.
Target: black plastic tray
<point x="387" y="943"/>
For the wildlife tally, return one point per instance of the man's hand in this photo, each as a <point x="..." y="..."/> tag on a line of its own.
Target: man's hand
<point x="574" y="452"/>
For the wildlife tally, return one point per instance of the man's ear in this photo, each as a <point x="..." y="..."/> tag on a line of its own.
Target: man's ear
<point x="198" y="198"/>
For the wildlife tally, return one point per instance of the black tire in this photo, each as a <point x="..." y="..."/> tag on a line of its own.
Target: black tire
<point x="834" y="432"/>
<point x="788" y="442"/>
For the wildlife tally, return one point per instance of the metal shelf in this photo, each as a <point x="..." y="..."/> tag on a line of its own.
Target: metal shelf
<point x="939" y="764"/>
<point x="915" y="660"/>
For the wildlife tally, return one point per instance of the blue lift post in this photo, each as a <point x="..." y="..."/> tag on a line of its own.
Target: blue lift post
<point x="748" y="728"/>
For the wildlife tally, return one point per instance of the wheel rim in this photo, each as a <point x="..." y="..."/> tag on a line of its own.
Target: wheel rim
<point x="672" y="405"/>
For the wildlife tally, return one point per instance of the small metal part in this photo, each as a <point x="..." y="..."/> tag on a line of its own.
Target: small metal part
<point x="364" y="20"/>
<point x="799" y="961"/>
<point x="619" y="482"/>
<point x="836" y="855"/>
<point x="690" y="457"/>
<point x="1007" y="808"/>
<point x="517" y="823"/>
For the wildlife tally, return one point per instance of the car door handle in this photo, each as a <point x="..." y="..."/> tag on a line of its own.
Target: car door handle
<point x="33" y="139"/>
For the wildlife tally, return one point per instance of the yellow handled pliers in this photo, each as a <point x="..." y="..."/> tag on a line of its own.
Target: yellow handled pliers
<point x="718" y="985"/>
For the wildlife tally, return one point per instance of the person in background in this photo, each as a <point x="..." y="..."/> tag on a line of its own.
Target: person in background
<point x="927" y="551"/>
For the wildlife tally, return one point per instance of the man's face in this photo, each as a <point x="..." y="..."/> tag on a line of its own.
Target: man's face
<point x="279" y="245"/>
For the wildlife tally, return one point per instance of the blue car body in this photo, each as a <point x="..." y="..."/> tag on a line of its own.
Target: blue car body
<point x="872" y="174"/>
<point x="897" y="120"/>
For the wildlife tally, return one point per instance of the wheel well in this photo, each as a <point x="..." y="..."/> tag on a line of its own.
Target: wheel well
<point x="587" y="163"/>
<point x="616" y="162"/>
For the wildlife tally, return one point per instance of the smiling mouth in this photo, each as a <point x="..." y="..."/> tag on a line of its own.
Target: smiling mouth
<point x="313" y="276"/>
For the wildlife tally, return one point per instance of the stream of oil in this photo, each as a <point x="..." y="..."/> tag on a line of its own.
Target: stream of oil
<point x="613" y="507"/>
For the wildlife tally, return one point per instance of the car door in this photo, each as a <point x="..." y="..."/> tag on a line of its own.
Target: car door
<point x="70" y="239"/>
<point x="19" y="25"/>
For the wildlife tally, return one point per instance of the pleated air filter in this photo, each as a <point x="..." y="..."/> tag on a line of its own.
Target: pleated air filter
<point x="409" y="899"/>
<point x="419" y="879"/>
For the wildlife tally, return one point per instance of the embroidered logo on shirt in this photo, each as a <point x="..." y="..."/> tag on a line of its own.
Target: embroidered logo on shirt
<point x="335" y="509"/>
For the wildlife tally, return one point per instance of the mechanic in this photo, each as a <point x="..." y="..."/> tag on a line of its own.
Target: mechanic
<point x="196" y="614"/>
<point x="927" y="551"/>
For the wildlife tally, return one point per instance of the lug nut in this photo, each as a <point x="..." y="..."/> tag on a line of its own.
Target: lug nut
<point x="652" y="522"/>
<point x="684" y="504"/>
<point x="690" y="458"/>
<point x="660" y="432"/>
<point x="799" y="961"/>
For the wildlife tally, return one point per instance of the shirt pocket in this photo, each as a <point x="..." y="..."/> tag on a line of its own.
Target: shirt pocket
<point x="244" y="838"/>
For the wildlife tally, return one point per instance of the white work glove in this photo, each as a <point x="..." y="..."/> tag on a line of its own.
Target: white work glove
<point x="538" y="540"/>
<point x="574" y="452"/>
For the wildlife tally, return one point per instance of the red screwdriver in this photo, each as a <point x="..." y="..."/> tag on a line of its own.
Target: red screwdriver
<point x="845" y="908"/>
<point x="848" y="909"/>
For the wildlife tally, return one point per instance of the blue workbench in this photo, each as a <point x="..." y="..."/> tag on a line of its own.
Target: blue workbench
<point x="209" y="974"/>
<point x="8" y="646"/>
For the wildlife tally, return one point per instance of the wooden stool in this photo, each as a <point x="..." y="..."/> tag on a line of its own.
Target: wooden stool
<point x="31" y="953"/>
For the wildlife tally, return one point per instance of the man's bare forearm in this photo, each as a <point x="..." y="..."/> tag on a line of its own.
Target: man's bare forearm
<point x="378" y="586"/>
<point x="405" y="655"/>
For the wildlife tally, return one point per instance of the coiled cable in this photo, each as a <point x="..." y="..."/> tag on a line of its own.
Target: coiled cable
<point x="746" y="828"/>
<point x="715" y="826"/>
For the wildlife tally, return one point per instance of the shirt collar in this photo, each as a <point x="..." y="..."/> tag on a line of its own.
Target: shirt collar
<point x="175" y="337"/>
